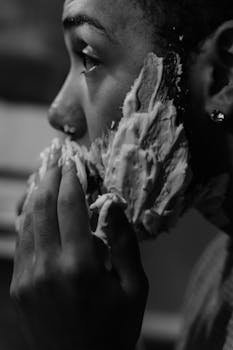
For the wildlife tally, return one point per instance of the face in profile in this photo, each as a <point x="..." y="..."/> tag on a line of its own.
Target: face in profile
<point x="107" y="48"/>
<point x="107" y="41"/>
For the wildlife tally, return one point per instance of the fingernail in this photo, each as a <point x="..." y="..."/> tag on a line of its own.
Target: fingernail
<point x="67" y="166"/>
<point x="100" y="201"/>
<point x="55" y="154"/>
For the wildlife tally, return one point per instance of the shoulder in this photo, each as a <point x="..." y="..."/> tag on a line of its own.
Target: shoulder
<point x="209" y="267"/>
<point x="202" y="301"/>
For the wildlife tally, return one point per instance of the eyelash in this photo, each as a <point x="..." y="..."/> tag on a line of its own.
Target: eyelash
<point x="89" y="60"/>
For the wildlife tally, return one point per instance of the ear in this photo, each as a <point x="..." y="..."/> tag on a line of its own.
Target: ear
<point x="210" y="87"/>
<point x="219" y="83"/>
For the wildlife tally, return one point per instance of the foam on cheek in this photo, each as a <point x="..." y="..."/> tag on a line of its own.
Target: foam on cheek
<point x="135" y="164"/>
<point x="142" y="163"/>
<point x="146" y="164"/>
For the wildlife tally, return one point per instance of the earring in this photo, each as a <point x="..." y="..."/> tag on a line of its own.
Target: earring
<point x="217" y="116"/>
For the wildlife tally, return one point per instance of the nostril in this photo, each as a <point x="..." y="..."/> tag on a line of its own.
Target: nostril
<point x="54" y="119"/>
<point x="70" y="121"/>
<point x="70" y="130"/>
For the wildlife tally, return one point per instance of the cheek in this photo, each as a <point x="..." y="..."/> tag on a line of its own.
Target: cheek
<point x="106" y="106"/>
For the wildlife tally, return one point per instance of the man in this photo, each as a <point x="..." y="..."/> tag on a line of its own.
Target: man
<point x="68" y="299"/>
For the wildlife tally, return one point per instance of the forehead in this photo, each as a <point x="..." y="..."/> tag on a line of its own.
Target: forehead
<point x="116" y="15"/>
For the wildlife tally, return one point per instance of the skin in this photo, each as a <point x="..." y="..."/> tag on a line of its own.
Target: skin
<point x="68" y="298"/>
<point x="59" y="272"/>
<point x="91" y="100"/>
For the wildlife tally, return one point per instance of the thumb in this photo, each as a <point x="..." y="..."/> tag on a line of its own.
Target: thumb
<point x="124" y="248"/>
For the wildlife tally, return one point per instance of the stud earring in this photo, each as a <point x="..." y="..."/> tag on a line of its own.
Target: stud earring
<point x="217" y="117"/>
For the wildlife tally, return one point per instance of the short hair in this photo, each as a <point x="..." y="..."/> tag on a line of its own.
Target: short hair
<point x="186" y="23"/>
<point x="182" y="26"/>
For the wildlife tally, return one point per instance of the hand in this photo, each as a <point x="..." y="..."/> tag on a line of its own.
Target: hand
<point x="66" y="296"/>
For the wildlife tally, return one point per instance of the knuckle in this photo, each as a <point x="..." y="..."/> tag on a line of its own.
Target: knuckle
<point x="69" y="265"/>
<point x="76" y="268"/>
<point x="43" y="199"/>
<point x="20" y="290"/>
<point x="45" y="272"/>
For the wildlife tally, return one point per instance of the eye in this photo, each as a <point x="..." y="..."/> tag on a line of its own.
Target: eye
<point x="90" y="63"/>
<point x="87" y="55"/>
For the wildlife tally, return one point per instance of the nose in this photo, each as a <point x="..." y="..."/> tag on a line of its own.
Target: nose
<point x="66" y="113"/>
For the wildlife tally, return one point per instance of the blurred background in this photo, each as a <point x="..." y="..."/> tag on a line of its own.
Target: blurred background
<point x="33" y="65"/>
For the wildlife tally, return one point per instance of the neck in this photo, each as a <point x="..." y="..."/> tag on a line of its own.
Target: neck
<point x="211" y="156"/>
<point x="228" y="204"/>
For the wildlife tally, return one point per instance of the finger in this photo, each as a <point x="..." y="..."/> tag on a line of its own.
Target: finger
<point x="24" y="250"/>
<point x="19" y="210"/>
<point x="73" y="215"/>
<point x="125" y="253"/>
<point x="26" y="243"/>
<point x="45" y="222"/>
<point x="19" y="205"/>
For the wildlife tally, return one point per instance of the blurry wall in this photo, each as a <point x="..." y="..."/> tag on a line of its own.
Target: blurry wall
<point x="33" y="64"/>
<point x="33" y="61"/>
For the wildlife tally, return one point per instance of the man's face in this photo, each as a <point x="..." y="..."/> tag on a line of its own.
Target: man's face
<point x="107" y="41"/>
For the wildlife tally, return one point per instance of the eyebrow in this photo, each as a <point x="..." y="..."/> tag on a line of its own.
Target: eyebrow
<point x="70" y="22"/>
